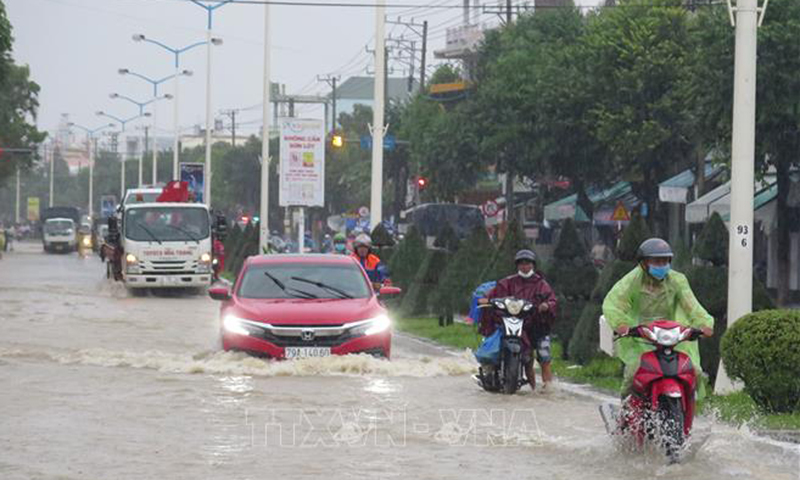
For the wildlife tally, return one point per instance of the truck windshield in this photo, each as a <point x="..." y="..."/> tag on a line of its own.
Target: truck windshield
<point x="58" y="227"/>
<point x="141" y="197"/>
<point x="166" y="224"/>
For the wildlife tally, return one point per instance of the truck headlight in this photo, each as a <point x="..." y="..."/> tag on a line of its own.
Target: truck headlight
<point x="205" y="258"/>
<point x="130" y="259"/>
<point x="371" y="326"/>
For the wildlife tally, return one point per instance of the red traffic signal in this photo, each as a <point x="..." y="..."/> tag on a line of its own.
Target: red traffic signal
<point x="422" y="182"/>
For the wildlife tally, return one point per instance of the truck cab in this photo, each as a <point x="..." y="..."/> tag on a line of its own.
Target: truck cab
<point x="165" y="245"/>
<point x="59" y="235"/>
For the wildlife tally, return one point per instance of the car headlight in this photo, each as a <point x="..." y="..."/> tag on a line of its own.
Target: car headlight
<point x="371" y="326"/>
<point x="130" y="259"/>
<point x="240" y="326"/>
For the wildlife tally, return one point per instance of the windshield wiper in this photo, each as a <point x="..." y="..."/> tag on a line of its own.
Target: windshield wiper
<point x="285" y="289"/>
<point x="187" y="232"/>
<point x="327" y="287"/>
<point x="147" y="230"/>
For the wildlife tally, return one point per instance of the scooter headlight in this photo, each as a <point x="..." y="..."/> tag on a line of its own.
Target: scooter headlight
<point x="514" y="306"/>
<point x="87" y="241"/>
<point x="667" y="336"/>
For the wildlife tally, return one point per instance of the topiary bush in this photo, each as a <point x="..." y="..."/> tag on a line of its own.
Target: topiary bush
<point x="502" y="263"/>
<point x="405" y="262"/>
<point x="712" y="243"/>
<point x="231" y="244"/>
<point x="761" y="350"/>
<point x="569" y="313"/>
<point x="381" y="237"/>
<point x="463" y="274"/>
<point x="415" y="301"/>
<point x="584" y="342"/>
<point x="635" y="233"/>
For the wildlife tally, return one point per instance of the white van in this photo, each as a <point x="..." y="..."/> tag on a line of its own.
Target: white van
<point x="59" y="235"/>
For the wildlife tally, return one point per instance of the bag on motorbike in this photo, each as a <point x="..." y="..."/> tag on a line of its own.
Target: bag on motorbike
<point x="489" y="351"/>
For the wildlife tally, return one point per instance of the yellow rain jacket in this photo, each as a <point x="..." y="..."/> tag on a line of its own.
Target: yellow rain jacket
<point x="640" y="299"/>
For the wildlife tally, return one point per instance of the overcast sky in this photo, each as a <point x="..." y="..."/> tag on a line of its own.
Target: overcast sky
<point x="75" y="47"/>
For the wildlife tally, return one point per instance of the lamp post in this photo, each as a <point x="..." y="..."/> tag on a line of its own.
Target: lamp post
<point x="141" y="106"/>
<point x="122" y="122"/>
<point x="90" y="145"/>
<point x="155" y="83"/>
<point x="264" y="223"/>
<point x="210" y="11"/>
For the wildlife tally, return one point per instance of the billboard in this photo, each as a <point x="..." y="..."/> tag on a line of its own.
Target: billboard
<point x="194" y="175"/>
<point x="108" y="205"/>
<point x="33" y="209"/>
<point x="302" y="167"/>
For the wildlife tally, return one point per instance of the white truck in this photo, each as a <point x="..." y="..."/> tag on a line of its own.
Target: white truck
<point x="59" y="235"/>
<point x="162" y="245"/>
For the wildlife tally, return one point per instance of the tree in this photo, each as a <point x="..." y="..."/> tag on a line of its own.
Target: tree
<point x="19" y="104"/>
<point x="638" y="55"/>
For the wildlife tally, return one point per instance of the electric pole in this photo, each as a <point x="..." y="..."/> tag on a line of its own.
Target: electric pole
<point x="232" y="115"/>
<point x="331" y="80"/>
<point x="740" y="259"/>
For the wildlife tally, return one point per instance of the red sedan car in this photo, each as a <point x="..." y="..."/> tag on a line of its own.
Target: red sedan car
<point x="296" y="306"/>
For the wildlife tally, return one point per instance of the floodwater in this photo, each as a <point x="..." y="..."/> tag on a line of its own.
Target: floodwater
<point x="100" y="384"/>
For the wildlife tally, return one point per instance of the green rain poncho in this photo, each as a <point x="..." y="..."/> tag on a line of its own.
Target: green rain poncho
<point x="639" y="299"/>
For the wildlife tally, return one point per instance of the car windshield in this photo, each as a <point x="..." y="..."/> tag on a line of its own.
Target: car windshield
<point x="164" y="224"/>
<point x="141" y="197"/>
<point x="332" y="281"/>
<point x="58" y="227"/>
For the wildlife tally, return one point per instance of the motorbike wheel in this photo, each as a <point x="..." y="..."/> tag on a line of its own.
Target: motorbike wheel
<point x="671" y="420"/>
<point x="511" y="374"/>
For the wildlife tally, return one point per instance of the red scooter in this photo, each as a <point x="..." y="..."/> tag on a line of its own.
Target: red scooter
<point x="662" y="405"/>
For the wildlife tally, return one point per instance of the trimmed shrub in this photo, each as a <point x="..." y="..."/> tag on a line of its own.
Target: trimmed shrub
<point x="463" y="274"/>
<point x="569" y="313"/>
<point x="248" y="245"/>
<point x="760" y="349"/>
<point x="712" y="243"/>
<point x="710" y="286"/>
<point x="415" y="302"/>
<point x="231" y="244"/>
<point x="447" y="239"/>
<point x="635" y="233"/>
<point x="381" y="237"/>
<point x="570" y="243"/>
<point x="502" y="263"/>
<point x="405" y="262"/>
<point x="585" y="340"/>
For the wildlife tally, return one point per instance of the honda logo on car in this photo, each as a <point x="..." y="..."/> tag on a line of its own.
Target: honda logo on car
<point x="307" y="335"/>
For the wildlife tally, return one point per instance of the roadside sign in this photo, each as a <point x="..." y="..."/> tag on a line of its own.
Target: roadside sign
<point x="302" y="166"/>
<point x="33" y="209"/>
<point x="389" y="142"/>
<point x="620" y="213"/>
<point x="490" y="208"/>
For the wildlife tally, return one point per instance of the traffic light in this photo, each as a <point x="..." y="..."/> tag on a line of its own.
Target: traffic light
<point x="337" y="141"/>
<point x="422" y="182"/>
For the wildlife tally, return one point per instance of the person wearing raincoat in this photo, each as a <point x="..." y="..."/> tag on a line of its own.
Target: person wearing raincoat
<point x="649" y="292"/>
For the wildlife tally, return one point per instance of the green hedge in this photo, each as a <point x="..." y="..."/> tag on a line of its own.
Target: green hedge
<point x="761" y="349"/>
<point x="463" y="274"/>
<point x="407" y="258"/>
<point x="712" y="243"/>
<point x="415" y="302"/>
<point x="585" y="340"/>
<point x="569" y="313"/>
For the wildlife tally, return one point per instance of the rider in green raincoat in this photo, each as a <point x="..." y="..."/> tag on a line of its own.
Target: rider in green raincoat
<point x="649" y="292"/>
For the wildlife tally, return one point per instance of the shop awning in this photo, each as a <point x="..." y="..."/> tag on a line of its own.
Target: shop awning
<point x="676" y="189"/>
<point x="718" y="200"/>
<point x="567" y="207"/>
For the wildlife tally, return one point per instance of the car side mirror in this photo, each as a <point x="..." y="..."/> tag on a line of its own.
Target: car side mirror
<point x="390" y="291"/>
<point x="219" y="293"/>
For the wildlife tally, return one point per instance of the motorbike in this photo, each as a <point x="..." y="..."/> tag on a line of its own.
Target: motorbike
<point x="506" y="374"/>
<point x="660" y="410"/>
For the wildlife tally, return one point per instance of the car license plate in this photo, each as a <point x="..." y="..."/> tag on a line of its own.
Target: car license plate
<point x="307" y="352"/>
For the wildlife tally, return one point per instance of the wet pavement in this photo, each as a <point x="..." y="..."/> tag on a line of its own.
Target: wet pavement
<point x="97" y="384"/>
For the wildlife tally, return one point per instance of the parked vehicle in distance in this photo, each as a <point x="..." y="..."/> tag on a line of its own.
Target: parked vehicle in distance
<point x="296" y="306"/>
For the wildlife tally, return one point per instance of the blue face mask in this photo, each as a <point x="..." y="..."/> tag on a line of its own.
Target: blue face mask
<point x="340" y="247"/>
<point x="659" y="273"/>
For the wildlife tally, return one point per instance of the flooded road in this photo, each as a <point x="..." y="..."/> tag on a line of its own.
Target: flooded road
<point x="99" y="384"/>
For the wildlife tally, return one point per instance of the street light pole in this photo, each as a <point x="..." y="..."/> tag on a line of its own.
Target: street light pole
<point x="264" y="214"/>
<point x="91" y="145"/>
<point x="210" y="11"/>
<point x="51" y="152"/>
<point x="376" y="193"/>
<point x="123" y="122"/>
<point x="740" y="259"/>
<point x="16" y="211"/>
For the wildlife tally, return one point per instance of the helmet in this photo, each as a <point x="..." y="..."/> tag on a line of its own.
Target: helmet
<point x="654" y="248"/>
<point x="363" y="240"/>
<point x="339" y="238"/>
<point x="525" y="255"/>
